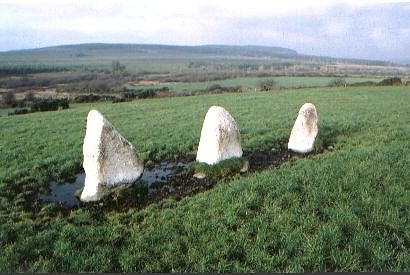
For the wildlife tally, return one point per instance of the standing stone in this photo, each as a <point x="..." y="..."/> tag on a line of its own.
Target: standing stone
<point x="220" y="138"/>
<point x="109" y="159"/>
<point x="304" y="131"/>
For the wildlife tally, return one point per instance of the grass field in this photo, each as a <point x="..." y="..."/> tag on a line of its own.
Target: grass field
<point x="251" y="83"/>
<point x="346" y="209"/>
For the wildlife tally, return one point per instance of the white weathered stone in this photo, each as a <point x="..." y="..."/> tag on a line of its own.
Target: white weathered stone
<point x="220" y="138"/>
<point x="304" y="131"/>
<point x="109" y="159"/>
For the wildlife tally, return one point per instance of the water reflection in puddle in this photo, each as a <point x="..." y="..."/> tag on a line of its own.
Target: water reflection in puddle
<point x="161" y="172"/>
<point x="63" y="193"/>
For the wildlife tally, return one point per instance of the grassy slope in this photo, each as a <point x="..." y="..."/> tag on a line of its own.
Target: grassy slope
<point x="346" y="210"/>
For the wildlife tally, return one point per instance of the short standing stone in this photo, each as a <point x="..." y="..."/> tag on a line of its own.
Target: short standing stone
<point x="304" y="131"/>
<point x="109" y="159"/>
<point x="220" y="138"/>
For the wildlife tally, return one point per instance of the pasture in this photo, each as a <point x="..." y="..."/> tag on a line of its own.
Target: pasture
<point x="346" y="209"/>
<point x="252" y="83"/>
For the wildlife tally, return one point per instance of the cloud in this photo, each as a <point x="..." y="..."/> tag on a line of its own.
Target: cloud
<point x="363" y="29"/>
<point x="337" y="27"/>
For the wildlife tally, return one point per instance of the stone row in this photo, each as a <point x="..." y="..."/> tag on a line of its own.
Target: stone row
<point x="111" y="161"/>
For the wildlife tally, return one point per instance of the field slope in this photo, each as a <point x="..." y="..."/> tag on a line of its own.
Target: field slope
<point x="346" y="209"/>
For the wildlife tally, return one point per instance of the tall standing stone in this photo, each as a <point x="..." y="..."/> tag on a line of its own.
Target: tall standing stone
<point x="220" y="138"/>
<point x="109" y="159"/>
<point x="304" y="131"/>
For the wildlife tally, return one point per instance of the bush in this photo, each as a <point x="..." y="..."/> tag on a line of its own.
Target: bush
<point x="49" y="104"/>
<point x="119" y="100"/>
<point x="46" y="104"/>
<point x="87" y="98"/>
<point x="141" y="93"/>
<point x="363" y="83"/>
<point x="29" y="96"/>
<point x="20" y="112"/>
<point x="214" y="87"/>
<point x="63" y="103"/>
<point x="391" y="81"/>
<point x="338" y="82"/>
<point x="267" y="84"/>
<point x="148" y="93"/>
<point x="9" y="99"/>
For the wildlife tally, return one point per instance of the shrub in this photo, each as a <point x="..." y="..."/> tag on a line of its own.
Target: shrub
<point x="363" y="83"/>
<point x="20" y="112"/>
<point x="391" y="81"/>
<point x="44" y="104"/>
<point x="214" y="87"/>
<point x="29" y="96"/>
<point x="49" y="104"/>
<point x="119" y="100"/>
<point x="87" y="98"/>
<point x="338" y="82"/>
<point x="9" y="98"/>
<point x="143" y="93"/>
<point x="64" y="103"/>
<point x="267" y="84"/>
<point x="148" y="93"/>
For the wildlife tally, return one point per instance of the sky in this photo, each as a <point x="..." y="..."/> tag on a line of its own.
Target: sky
<point x="378" y="30"/>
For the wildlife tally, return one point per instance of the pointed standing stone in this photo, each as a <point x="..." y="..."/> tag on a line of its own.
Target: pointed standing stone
<point x="220" y="138"/>
<point x="109" y="159"/>
<point x="304" y="131"/>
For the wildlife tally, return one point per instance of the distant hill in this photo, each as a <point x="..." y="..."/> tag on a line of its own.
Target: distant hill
<point x="100" y="52"/>
<point x="220" y="60"/>
<point x="101" y="49"/>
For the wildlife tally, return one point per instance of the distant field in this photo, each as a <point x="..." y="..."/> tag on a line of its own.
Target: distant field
<point x="4" y="112"/>
<point x="253" y="83"/>
<point x="344" y="210"/>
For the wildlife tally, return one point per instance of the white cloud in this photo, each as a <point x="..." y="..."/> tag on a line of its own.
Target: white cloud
<point x="337" y="28"/>
<point x="314" y="27"/>
<point x="377" y="34"/>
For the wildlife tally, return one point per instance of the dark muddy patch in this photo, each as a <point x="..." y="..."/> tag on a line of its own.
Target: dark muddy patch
<point x="166" y="180"/>
<point x="184" y="184"/>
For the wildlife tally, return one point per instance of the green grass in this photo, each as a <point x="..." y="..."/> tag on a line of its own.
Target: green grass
<point x="344" y="210"/>
<point x="252" y="83"/>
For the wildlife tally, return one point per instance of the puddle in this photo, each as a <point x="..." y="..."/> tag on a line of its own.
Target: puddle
<point x="161" y="173"/>
<point x="64" y="193"/>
